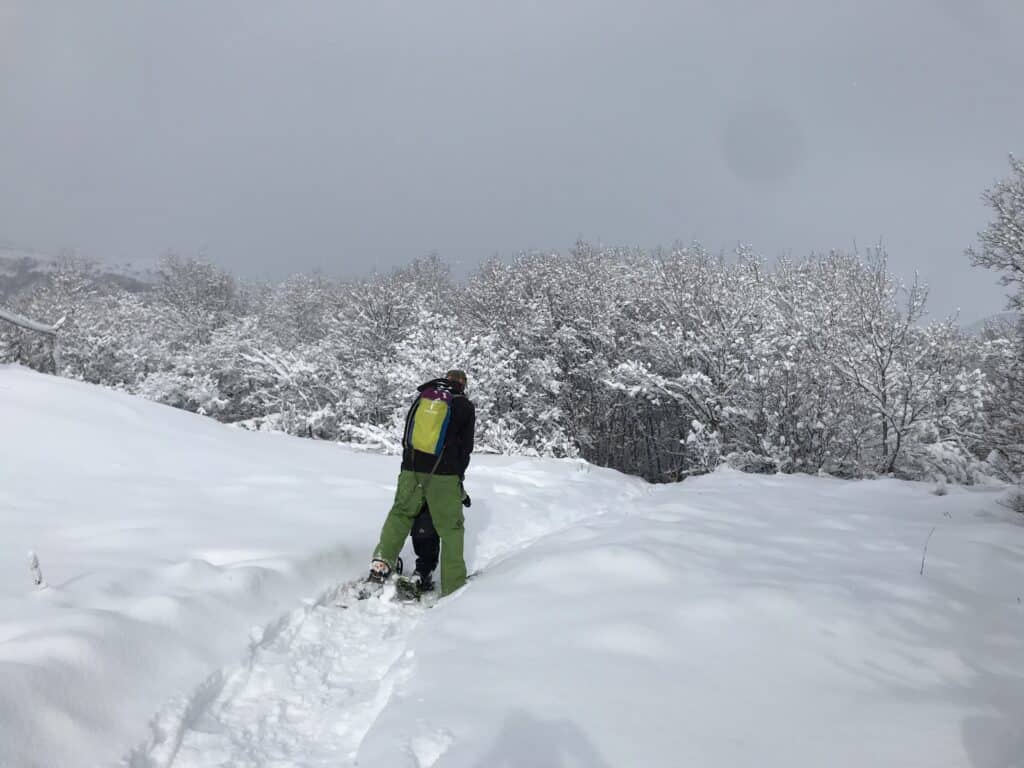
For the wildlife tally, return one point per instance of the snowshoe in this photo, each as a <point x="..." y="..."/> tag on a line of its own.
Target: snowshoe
<point x="407" y="589"/>
<point x="368" y="589"/>
<point x="415" y="586"/>
<point x="380" y="574"/>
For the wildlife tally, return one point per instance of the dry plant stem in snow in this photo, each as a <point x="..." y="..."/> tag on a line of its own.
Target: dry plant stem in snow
<point x="924" y="553"/>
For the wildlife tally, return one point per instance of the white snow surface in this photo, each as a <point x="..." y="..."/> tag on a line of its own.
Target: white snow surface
<point x="192" y="613"/>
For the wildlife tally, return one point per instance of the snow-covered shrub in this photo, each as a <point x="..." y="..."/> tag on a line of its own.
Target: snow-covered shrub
<point x="183" y="388"/>
<point x="1016" y="501"/>
<point x="386" y="438"/>
<point x="943" y="461"/>
<point x="753" y="463"/>
<point x="703" y="447"/>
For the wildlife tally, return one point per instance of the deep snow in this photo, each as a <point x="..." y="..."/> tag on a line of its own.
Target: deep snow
<point x="192" y="615"/>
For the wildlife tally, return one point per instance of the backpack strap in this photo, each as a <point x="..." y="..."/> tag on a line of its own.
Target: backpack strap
<point x="407" y="434"/>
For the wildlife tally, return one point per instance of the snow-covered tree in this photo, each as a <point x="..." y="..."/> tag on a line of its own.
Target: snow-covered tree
<point x="1002" y="242"/>
<point x="661" y="364"/>
<point x="1001" y="247"/>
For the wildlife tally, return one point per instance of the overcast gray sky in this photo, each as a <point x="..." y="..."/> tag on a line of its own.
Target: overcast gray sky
<point x="282" y="136"/>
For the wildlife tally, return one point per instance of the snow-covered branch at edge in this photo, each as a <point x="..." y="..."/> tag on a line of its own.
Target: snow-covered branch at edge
<point x="29" y="325"/>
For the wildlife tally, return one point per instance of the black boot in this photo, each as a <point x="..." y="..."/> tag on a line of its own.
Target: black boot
<point x="425" y="581"/>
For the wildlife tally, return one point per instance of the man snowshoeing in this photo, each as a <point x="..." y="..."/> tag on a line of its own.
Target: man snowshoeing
<point x="436" y="446"/>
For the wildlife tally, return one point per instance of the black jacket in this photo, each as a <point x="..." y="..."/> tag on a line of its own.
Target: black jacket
<point x="458" y="442"/>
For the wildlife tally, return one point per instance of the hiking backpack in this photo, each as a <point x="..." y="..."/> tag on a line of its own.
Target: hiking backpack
<point x="428" y="420"/>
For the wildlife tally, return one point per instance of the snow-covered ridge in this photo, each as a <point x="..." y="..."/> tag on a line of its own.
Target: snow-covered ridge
<point x="21" y="270"/>
<point x="190" y="617"/>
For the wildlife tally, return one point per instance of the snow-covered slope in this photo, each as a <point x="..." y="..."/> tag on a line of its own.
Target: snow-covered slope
<point x="191" y="617"/>
<point x="164" y="537"/>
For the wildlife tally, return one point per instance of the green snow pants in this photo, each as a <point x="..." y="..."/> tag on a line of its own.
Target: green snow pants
<point x="444" y="497"/>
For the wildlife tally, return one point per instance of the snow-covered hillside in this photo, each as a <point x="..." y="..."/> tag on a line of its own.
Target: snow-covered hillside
<point x="190" y="617"/>
<point x="22" y="270"/>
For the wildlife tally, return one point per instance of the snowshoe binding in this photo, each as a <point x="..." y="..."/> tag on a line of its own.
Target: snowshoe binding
<point x="412" y="588"/>
<point x="380" y="573"/>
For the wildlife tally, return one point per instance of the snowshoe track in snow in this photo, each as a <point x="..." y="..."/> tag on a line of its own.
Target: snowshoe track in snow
<point x="313" y="683"/>
<point x="310" y="689"/>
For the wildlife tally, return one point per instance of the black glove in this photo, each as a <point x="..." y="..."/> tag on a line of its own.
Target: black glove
<point x="466" y="501"/>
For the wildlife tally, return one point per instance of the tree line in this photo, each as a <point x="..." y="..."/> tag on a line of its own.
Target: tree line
<point x="661" y="363"/>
